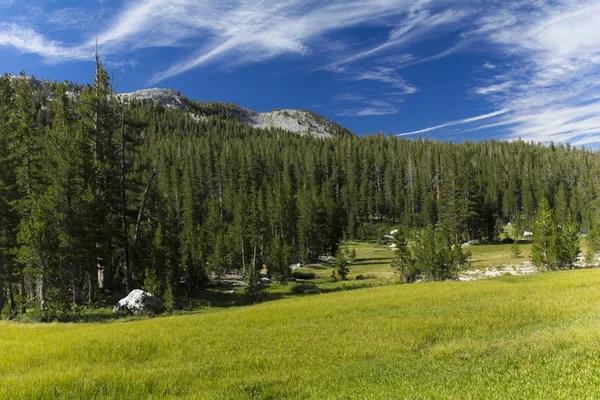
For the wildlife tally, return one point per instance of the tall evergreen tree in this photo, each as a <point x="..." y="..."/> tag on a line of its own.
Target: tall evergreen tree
<point x="404" y="264"/>
<point x="544" y="234"/>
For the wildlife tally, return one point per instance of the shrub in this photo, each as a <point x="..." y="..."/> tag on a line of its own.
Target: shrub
<point x="333" y="275"/>
<point x="435" y="257"/>
<point x="303" y="274"/>
<point x="305" y="288"/>
<point x="342" y="266"/>
<point x="362" y="277"/>
<point x="404" y="263"/>
<point x="515" y="250"/>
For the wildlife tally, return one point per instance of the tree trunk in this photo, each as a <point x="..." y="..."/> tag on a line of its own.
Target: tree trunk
<point x="23" y="295"/>
<point x="254" y="260"/>
<point x="128" y="272"/>
<point x="42" y="286"/>
<point x="90" y="291"/>
<point x="243" y="254"/>
<point x="11" y="297"/>
<point x="76" y="285"/>
<point x="104" y="267"/>
<point x="136" y="234"/>
<point x="2" y="297"/>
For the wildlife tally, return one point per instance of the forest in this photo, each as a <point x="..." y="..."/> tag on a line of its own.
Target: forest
<point x="102" y="196"/>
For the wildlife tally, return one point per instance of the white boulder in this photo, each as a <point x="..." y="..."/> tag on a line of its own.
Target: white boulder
<point x="138" y="301"/>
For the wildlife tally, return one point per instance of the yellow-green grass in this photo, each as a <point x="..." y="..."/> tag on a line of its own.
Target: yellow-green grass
<point x="510" y="337"/>
<point x="489" y="255"/>
<point x="374" y="261"/>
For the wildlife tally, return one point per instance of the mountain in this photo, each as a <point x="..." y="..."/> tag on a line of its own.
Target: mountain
<point x="165" y="97"/>
<point x="303" y="122"/>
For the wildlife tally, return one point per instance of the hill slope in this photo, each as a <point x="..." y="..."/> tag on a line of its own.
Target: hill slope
<point x="297" y="121"/>
<point x="527" y="337"/>
<point x="303" y="122"/>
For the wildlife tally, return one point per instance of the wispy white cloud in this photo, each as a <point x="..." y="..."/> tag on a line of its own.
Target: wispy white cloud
<point x="242" y="31"/>
<point x="251" y="32"/>
<point x="72" y="17"/>
<point x="397" y="60"/>
<point x="414" y="27"/>
<point x="547" y="73"/>
<point x="494" y="89"/>
<point x="29" y="41"/>
<point x="488" y="65"/>
<point x="370" y="108"/>
<point x="355" y="105"/>
<point x="385" y="75"/>
<point x="457" y="122"/>
<point x="551" y="80"/>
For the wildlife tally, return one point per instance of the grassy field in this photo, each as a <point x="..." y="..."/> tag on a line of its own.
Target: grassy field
<point x="373" y="263"/>
<point x="511" y="337"/>
<point x="489" y="255"/>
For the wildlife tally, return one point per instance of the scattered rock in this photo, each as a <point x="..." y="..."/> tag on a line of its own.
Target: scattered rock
<point x="524" y="268"/>
<point x="327" y="259"/>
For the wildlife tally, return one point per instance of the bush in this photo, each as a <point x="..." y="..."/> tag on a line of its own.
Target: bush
<point x="342" y="265"/>
<point x="515" y="250"/>
<point x="303" y="274"/>
<point x="362" y="277"/>
<point x="305" y="288"/>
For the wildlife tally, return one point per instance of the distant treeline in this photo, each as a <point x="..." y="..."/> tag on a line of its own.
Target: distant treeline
<point x="98" y="196"/>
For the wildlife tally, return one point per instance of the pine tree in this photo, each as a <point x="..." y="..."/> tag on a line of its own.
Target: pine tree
<point x="341" y="265"/>
<point x="564" y="250"/>
<point x="98" y="123"/>
<point x="68" y="177"/>
<point x="437" y="257"/>
<point x="515" y="249"/>
<point x="404" y="264"/>
<point x="8" y="213"/>
<point x="38" y="251"/>
<point x="278" y="264"/>
<point x="544" y="233"/>
<point x="28" y="169"/>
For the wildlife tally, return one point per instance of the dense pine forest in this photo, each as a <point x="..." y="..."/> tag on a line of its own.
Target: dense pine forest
<point x="100" y="196"/>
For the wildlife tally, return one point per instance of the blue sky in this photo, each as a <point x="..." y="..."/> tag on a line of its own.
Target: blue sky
<point x="441" y="69"/>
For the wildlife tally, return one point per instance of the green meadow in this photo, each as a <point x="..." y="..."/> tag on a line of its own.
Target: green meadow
<point x="373" y="265"/>
<point x="535" y="336"/>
